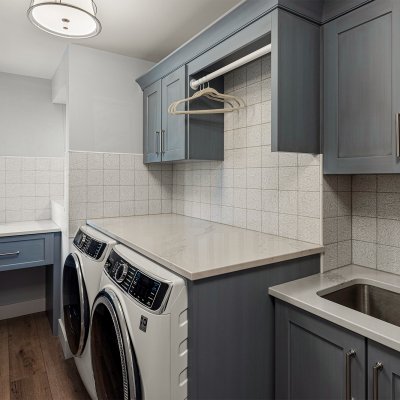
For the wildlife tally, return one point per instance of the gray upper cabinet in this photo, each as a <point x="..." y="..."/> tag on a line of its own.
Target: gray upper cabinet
<point x="295" y="81"/>
<point x="315" y="359"/>
<point x="169" y="137"/>
<point x="361" y="90"/>
<point x="383" y="372"/>
<point x="164" y="134"/>
<point x="173" y="126"/>
<point x="152" y="123"/>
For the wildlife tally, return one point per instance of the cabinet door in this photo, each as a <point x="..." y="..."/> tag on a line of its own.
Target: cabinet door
<point x="152" y="123"/>
<point x="387" y="372"/>
<point x="173" y="126"/>
<point x="361" y="96"/>
<point x="312" y="358"/>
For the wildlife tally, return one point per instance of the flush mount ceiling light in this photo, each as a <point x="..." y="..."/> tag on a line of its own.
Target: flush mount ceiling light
<point x="69" y="18"/>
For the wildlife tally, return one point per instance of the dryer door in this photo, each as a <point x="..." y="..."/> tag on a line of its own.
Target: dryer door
<point x="115" y="367"/>
<point x="76" y="305"/>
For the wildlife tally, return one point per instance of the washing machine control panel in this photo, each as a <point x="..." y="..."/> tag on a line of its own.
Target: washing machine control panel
<point x="89" y="246"/>
<point x="145" y="289"/>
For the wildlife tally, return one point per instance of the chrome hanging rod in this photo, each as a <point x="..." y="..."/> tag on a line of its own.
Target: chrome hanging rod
<point x="194" y="84"/>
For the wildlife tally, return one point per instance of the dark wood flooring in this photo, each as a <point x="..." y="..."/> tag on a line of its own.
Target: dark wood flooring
<point x="32" y="365"/>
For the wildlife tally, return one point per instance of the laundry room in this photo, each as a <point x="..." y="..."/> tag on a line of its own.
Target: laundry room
<point x="199" y="200"/>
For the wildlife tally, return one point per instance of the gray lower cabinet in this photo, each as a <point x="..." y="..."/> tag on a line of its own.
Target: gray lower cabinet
<point x="383" y="372"/>
<point x="319" y="360"/>
<point x="231" y="332"/>
<point x="362" y="90"/>
<point x="315" y="359"/>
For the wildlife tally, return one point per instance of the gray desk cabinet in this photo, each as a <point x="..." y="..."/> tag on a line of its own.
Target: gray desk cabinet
<point x="361" y="90"/>
<point x="37" y="250"/>
<point x="312" y="355"/>
<point x="387" y="373"/>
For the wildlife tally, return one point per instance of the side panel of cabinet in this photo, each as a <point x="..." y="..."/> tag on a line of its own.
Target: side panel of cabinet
<point x="152" y="123"/>
<point x="311" y="357"/>
<point x="360" y="96"/>
<point x="388" y="378"/>
<point x="295" y="74"/>
<point x="173" y="126"/>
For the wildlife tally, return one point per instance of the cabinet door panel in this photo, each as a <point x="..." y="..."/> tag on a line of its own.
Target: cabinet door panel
<point x="365" y="89"/>
<point x="311" y="357"/>
<point x="174" y="127"/>
<point x="388" y="376"/>
<point x="152" y="123"/>
<point x="361" y="99"/>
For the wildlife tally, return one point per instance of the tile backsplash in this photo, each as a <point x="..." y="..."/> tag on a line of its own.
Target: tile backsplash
<point x="27" y="185"/>
<point x="105" y="185"/>
<point x="336" y="221"/>
<point x="253" y="188"/>
<point x="371" y="237"/>
<point x="376" y="221"/>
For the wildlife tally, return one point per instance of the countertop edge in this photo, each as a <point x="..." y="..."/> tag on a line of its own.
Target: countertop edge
<point x="335" y="319"/>
<point x="225" y="269"/>
<point x="36" y="231"/>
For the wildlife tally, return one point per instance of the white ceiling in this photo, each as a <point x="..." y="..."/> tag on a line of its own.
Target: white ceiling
<point x="147" y="29"/>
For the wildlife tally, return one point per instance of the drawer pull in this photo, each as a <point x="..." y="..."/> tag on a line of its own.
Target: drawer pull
<point x="349" y="355"/>
<point x="14" y="253"/>
<point x="378" y="367"/>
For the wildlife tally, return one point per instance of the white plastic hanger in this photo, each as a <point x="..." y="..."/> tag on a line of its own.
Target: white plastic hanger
<point x="234" y="103"/>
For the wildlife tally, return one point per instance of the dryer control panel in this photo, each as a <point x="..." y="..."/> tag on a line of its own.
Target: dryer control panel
<point x="89" y="246"/>
<point x="145" y="289"/>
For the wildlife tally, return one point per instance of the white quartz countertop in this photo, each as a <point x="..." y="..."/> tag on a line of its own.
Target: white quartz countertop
<point x="303" y="293"/>
<point x="28" y="228"/>
<point x="196" y="248"/>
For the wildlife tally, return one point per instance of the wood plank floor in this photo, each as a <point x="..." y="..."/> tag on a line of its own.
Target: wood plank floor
<point x="32" y="365"/>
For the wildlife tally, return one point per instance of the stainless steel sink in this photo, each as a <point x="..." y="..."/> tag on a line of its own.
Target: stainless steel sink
<point x="371" y="300"/>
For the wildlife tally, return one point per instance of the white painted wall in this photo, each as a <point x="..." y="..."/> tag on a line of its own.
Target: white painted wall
<point x="104" y="101"/>
<point x="30" y="124"/>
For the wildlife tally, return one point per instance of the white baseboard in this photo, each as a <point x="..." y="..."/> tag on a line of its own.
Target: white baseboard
<point x="63" y="339"/>
<point x="24" y="308"/>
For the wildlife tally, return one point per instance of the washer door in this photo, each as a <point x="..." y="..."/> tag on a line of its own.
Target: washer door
<point x="115" y="368"/>
<point x="76" y="305"/>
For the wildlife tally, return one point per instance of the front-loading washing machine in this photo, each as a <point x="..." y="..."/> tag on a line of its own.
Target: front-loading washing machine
<point x="139" y="330"/>
<point x="82" y="271"/>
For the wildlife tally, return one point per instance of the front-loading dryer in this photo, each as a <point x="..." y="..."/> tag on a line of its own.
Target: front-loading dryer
<point x="82" y="271"/>
<point x="139" y="330"/>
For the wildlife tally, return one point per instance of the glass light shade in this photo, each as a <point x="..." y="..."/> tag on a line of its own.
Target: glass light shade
<point x="70" y="18"/>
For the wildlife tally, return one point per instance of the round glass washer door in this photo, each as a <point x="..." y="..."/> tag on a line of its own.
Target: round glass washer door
<point x="115" y="367"/>
<point x="75" y="305"/>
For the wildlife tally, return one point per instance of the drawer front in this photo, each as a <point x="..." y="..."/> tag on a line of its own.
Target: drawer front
<point x="24" y="252"/>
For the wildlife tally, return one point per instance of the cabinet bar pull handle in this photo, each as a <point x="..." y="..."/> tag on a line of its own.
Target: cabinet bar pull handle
<point x="378" y="367"/>
<point x="398" y="135"/>
<point x="158" y="138"/>
<point x="14" y="253"/>
<point x="349" y="355"/>
<point x="162" y="141"/>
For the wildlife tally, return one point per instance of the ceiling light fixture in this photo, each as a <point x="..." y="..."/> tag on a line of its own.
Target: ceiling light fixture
<point x="70" y="18"/>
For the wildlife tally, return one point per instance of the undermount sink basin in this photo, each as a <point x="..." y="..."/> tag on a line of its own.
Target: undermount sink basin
<point x="368" y="299"/>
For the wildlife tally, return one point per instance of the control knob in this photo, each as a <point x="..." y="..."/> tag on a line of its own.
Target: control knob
<point x="121" y="272"/>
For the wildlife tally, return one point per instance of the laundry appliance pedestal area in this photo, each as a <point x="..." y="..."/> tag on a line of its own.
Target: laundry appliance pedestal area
<point x="227" y="271"/>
